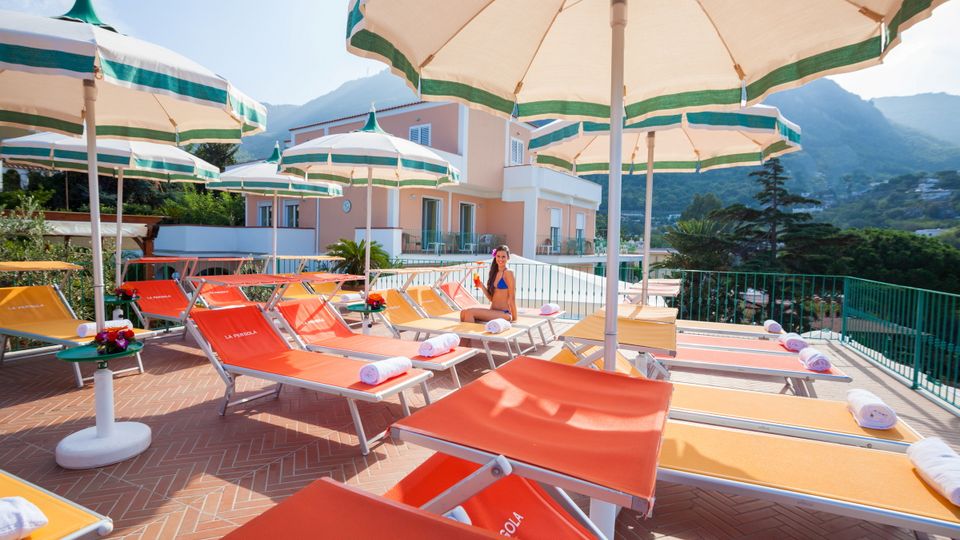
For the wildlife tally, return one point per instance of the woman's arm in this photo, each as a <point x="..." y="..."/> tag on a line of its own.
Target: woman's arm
<point x="511" y="294"/>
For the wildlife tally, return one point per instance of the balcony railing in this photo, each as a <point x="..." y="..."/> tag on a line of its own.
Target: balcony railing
<point x="444" y="243"/>
<point x="564" y="245"/>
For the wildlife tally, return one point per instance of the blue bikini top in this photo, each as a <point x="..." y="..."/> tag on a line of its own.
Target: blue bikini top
<point x="502" y="284"/>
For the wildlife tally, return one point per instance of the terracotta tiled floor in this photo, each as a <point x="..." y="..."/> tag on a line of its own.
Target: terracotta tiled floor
<point x="204" y="475"/>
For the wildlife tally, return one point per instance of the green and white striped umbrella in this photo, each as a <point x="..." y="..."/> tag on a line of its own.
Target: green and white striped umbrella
<point x="74" y="74"/>
<point x="262" y="178"/>
<point x="122" y="159"/>
<point x="580" y="59"/>
<point x="688" y="142"/>
<point x="372" y="157"/>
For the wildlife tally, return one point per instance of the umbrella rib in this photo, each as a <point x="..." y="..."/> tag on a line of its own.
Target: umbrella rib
<point x="736" y="65"/>
<point x="454" y="35"/>
<point x="164" y="109"/>
<point x="533" y="57"/>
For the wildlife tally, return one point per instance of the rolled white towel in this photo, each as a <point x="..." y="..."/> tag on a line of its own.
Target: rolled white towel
<point x="938" y="465"/>
<point x="869" y="410"/>
<point x="438" y="345"/>
<point x="90" y="329"/>
<point x="793" y="342"/>
<point x="772" y="326"/>
<point x="376" y="372"/>
<point x="814" y="360"/>
<point x="19" y="517"/>
<point x="457" y="513"/>
<point x="549" y="309"/>
<point x="497" y="325"/>
<point x="350" y="297"/>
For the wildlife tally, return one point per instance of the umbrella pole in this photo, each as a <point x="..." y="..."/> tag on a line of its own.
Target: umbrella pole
<point x="618" y="23"/>
<point x="647" y="217"/>
<point x="276" y="209"/>
<point x="119" y="253"/>
<point x="366" y="255"/>
<point x="96" y="243"/>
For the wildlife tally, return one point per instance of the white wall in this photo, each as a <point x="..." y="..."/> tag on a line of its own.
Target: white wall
<point x="204" y="239"/>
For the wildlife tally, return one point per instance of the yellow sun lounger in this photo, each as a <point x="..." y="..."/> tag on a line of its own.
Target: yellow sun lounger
<point x="861" y="483"/>
<point x="817" y="419"/>
<point x="725" y="329"/>
<point x="400" y="316"/>
<point x="639" y="328"/>
<point x="66" y="519"/>
<point x="435" y="307"/>
<point x="41" y="313"/>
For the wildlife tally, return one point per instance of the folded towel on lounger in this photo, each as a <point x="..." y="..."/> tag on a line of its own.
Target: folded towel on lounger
<point x="869" y="410"/>
<point x="497" y="325"/>
<point x="814" y="360"/>
<point x="772" y="326"/>
<point x="90" y="329"/>
<point x="381" y="370"/>
<point x="349" y="297"/>
<point x="793" y="342"/>
<point x="549" y="309"/>
<point x="19" y="517"/>
<point x="438" y="345"/>
<point x="938" y="465"/>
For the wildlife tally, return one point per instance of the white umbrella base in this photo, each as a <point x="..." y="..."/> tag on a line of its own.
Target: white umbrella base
<point x="84" y="450"/>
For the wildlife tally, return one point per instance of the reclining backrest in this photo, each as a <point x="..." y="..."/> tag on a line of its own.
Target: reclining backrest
<point x="312" y="319"/>
<point x="222" y="295"/>
<point x="159" y="295"/>
<point x="19" y="305"/>
<point x="624" y="367"/>
<point x="238" y="333"/>
<point x="460" y="295"/>
<point x="429" y="300"/>
<point x="297" y="290"/>
<point x="398" y="311"/>
<point x="513" y="506"/>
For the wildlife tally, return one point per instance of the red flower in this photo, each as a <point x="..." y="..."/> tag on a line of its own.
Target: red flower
<point x="128" y="334"/>
<point x="112" y="335"/>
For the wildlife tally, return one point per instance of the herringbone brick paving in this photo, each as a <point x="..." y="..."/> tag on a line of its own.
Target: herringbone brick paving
<point x="204" y="475"/>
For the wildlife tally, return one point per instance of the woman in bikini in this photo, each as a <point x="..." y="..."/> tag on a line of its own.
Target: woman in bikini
<point x="500" y="290"/>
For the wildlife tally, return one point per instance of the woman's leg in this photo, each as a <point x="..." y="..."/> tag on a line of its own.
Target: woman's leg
<point x="476" y="315"/>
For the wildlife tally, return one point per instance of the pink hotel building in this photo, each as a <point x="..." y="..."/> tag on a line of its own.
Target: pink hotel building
<point x="538" y="212"/>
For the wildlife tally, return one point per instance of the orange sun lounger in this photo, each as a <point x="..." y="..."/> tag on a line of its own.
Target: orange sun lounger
<point x="160" y="299"/>
<point x="241" y="341"/>
<point x="66" y="519"/>
<point x="434" y="306"/>
<point x="726" y="343"/>
<point x="41" y="313"/>
<point x="817" y="419"/>
<point x="400" y="316"/>
<point x="592" y="432"/>
<point x="725" y="329"/>
<point x="796" y="378"/>
<point x="317" y="327"/>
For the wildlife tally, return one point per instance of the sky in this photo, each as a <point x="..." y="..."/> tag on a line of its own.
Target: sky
<point x="295" y="51"/>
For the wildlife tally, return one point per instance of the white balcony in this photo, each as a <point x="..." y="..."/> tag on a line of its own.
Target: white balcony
<point x="519" y="180"/>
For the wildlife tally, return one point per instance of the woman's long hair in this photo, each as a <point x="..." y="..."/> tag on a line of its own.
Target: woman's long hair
<point x="495" y="268"/>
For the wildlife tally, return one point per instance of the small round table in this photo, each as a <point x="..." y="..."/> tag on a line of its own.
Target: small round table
<point x="121" y="303"/>
<point x="109" y="441"/>
<point x="366" y="315"/>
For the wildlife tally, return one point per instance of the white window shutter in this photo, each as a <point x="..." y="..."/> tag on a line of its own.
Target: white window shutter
<point x="555" y="217"/>
<point x="581" y="221"/>
<point x="425" y="135"/>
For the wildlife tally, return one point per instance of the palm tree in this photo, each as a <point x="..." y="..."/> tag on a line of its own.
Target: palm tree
<point x="353" y="256"/>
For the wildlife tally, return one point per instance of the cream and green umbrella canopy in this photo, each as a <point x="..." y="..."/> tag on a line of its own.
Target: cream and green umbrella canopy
<point x="580" y="59"/>
<point x="121" y="159"/>
<point x="369" y="156"/>
<point x="262" y="178"/>
<point x="678" y="143"/>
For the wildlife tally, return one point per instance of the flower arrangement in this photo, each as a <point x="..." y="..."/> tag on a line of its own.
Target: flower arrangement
<point x="114" y="340"/>
<point x="375" y="301"/>
<point x="124" y="293"/>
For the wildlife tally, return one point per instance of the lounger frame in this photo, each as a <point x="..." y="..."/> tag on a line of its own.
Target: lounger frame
<point x="103" y="527"/>
<point x="229" y="373"/>
<point x="681" y="328"/>
<point x="6" y="333"/>
<point x="449" y="364"/>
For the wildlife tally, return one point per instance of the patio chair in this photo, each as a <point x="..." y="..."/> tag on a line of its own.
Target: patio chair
<point x="42" y="313"/>
<point x="66" y="519"/>
<point x="401" y="316"/>
<point x="725" y="329"/>
<point x="223" y="296"/>
<point x="241" y="341"/>
<point x="435" y="307"/>
<point x="317" y="327"/>
<point x="160" y="299"/>
<point x="817" y="419"/>
<point x="460" y="297"/>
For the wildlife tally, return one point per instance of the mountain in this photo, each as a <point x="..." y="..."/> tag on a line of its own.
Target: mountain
<point x="935" y="115"/>
<point x="383" y="90"/>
